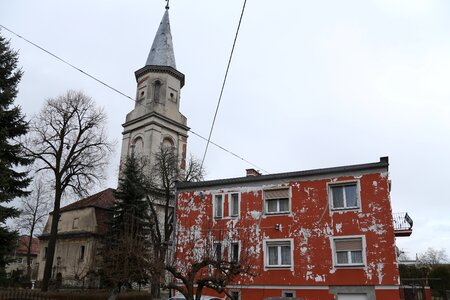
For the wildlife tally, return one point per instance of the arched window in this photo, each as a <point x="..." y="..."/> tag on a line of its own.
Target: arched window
<point x="157" y="90"/>
<point x="137" y="146"/>
<point x="168" y="143"/>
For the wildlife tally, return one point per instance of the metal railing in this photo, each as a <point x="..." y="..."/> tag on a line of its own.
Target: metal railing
<point x="402" y="221"/>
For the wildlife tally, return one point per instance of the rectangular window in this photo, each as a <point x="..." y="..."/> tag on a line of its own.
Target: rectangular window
<point x="234" y="252"/>
<point x="278" y="253"/>
<point x="82" y="251"/>
<point x="277" y="201"/>
<point x="218" y="206"/>
<point x="233" y="200"/>
<point x="288" y="294"/>
<point x="348" y="251"/>
<point x="75" y="223"/>
<point x="218" y="251"/>
<point x="235" y="295"/>
<point x="344" y="196"/>
<point x="20" y="260"/>
<point x="44" y="255"/>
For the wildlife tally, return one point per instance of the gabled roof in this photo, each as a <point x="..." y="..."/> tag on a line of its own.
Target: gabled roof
<point x="104" y="199"/>
<point x="22" y="247"/>
<point x="161" y="53"/>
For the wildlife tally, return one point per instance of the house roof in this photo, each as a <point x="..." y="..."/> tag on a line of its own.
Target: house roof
<point x="22" y="247"/>
<point x="383" y="163"/>
<point x="104" y="199"/>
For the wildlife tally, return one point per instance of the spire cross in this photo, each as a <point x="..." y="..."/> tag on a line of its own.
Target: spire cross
<point x="167" y="5"/>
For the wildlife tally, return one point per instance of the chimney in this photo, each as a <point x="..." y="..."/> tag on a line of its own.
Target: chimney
<point x="252" y="172"/>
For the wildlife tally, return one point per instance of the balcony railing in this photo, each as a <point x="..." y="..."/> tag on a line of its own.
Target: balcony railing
<point x="402" y="224"/>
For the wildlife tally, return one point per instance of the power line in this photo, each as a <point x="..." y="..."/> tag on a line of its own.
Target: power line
<point x="121" y="93"/>
<point x="223" y="84"/>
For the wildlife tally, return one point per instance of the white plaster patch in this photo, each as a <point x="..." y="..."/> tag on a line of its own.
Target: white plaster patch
<point x="375" y="183"/>
<point x="319" y="278"/>
<point x="380" y="267"/>
<point x="339" y="227"/>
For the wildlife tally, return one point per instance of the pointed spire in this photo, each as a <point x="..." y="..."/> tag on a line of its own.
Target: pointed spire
<point x="161" y="53"/>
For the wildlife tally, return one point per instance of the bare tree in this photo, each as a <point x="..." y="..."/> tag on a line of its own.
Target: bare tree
<point x="211" y="265"/>
<point x="165" y="172"/>
<point x="68" y="139"/>
<point x="33" y="212"/>
<point x="433" y="257"/>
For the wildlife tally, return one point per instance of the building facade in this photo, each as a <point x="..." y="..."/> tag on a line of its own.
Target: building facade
<point x="316" y="234"/>
<point x="81" y="227"/>
<point x="19" y="257"/>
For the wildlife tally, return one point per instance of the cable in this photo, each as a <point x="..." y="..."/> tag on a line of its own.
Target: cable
<point x="223" y="84"/>
<point x="234" y="154"/>
<point x="67" y="63"/>
<point x="123" y="94"/>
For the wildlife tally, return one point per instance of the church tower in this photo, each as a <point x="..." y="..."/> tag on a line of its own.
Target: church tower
<point x="156" y="119"/>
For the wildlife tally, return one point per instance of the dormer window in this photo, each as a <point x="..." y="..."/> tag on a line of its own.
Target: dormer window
<point x="157" y="90"/>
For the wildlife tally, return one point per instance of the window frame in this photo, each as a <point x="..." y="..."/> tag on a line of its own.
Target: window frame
<point x="235" y="291"/>
<point x="362" y="238"/>
<point x="284" y="292"/>
<point x="82" y="253"/>
<point x="75" y="223"/>
<point x="278" y="212"/>
<point x="278" y="243"/>
<point x="331" y="185"/>
<point x="230" y="206"/>
<point x="215" y="252"/>
<point x="215" y="206"/>
<point x="231" y="252"/>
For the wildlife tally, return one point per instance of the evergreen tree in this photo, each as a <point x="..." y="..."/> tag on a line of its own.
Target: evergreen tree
<point x="126" y="246"/>
<point x="12" y="125"/>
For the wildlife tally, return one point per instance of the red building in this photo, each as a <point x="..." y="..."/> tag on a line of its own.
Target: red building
<point x="315" y="234"/>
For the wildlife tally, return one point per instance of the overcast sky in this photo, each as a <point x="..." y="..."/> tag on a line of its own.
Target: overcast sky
<point x="312" y="84"/>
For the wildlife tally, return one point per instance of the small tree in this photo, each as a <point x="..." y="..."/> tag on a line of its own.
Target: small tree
<point x="68" y="139"/>
<point x="164" y="173"/>
<point x="126" y="246"/>
<point x="12" y="125"/>
<point x="33" y="212"/>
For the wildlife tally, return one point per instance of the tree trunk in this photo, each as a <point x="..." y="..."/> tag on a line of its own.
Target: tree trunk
<point x="29" y="246"/>
<point x="52" y="240"/>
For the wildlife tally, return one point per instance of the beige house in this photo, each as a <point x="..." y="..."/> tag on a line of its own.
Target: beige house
<point x="80" y="228"/>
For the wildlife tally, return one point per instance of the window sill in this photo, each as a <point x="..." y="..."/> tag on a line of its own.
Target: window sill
<point x="284" y="213"/>
<point x="345" y="208"/>
<point x="278" y="267"/>
<point x="349" y="266"/>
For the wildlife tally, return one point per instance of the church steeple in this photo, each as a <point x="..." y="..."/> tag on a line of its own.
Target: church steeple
<point x="161" y="53"/>
<point x="156" y="118"/>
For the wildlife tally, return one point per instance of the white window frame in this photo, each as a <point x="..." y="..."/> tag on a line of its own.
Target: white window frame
<point x="350" y="264"/>
<point x="330" y="186"/>
<point x="215" y="205"/>
<point x="230" y="252"/>
<point x="230" y="206"/>
<point x="284" y="292"/>
<point x="270" y="242"/>
<point x="278" y="212"/>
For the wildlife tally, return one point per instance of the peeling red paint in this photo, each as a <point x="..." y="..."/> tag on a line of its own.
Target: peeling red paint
<point x="311" y="224"/>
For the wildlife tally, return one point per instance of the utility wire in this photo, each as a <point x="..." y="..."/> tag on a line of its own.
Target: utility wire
<point x="123" y="94"/>
<point x="223" y="84"/>
<point x="67" y="63"/>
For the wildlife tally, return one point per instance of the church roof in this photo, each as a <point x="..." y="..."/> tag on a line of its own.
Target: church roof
<point x="161" y="53"/>
<point x="104" y="199"/>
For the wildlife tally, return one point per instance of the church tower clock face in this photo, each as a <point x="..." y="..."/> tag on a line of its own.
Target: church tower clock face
<point x="156" y="120"/>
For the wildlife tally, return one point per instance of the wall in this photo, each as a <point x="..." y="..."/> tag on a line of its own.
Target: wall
<point x="311" y="225"/>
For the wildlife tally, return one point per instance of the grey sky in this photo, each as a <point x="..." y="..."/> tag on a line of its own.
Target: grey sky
<point x="312" y="84"/>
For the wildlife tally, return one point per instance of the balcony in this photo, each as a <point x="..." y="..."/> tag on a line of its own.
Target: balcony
<point x="402" y="224"/>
